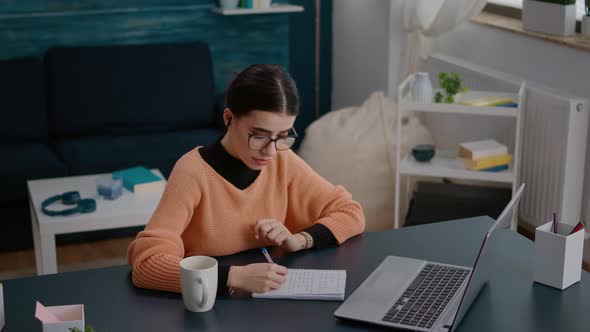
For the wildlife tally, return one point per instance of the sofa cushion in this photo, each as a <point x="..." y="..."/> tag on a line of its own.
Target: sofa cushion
<point x="106" y="154"/>
<point x="26" y="162"/>
<point x="129" y="89"/>
<point x="22" y="101"/>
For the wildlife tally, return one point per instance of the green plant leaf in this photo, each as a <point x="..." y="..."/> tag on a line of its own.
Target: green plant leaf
<point x="438" y="97"/>
<point x="451" y="84"/>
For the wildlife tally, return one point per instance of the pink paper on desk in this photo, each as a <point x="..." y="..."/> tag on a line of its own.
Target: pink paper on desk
<point x="44" y="315"/>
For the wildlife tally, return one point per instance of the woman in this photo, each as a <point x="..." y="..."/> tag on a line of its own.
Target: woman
<point x="248" y="190"/>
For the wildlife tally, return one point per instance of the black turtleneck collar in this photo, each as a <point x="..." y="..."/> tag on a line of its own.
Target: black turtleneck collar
<point x="238" y="174"/>
<point x="230" y="168"/>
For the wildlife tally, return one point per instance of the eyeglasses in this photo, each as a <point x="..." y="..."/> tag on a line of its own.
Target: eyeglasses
<point x="260" y="142"/>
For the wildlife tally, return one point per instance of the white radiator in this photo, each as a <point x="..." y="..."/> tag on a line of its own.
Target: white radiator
<point x="555" y="129"/>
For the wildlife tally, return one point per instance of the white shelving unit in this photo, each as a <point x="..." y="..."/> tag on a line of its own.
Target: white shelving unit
<point x="446" y="164"/>
<point x="273" y="9"/>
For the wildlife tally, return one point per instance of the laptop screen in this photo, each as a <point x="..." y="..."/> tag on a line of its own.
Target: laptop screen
<point x="483" y="264"/>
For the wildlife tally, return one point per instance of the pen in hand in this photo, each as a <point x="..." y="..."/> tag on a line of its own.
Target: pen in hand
<point x="265" y="252"/>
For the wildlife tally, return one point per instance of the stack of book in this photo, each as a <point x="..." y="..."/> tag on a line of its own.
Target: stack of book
<point x="490" y="101"/>
<point x="139" y="179"/>
<point x="486" y="155"/>
<point x="254" y="4"/>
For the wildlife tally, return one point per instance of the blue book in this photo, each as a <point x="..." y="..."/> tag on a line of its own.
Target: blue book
<point x="249" y="4"/>
<point x="495" y="169"/>
<point x="138" y="179"/>
<point x="508" y="105"/>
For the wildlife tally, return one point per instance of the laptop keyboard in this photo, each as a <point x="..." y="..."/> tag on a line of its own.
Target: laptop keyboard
<point x="425" y="299"/>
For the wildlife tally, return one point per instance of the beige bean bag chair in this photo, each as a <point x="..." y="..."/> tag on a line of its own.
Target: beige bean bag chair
<point x="355" y="147"/>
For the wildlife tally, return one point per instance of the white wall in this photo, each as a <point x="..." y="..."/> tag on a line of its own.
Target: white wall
<point x="362" y="37"/>
<point x="550" y="64"/>
<point x="368" y="39"/>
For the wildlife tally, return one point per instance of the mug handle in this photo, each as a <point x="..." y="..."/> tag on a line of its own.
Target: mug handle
<point x="204" y="291"/>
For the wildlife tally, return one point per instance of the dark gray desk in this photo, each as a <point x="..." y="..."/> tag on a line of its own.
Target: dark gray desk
<point x="512" y="302"/>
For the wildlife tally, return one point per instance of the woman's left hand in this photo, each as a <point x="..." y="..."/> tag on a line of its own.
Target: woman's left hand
<point x="278" y="234"/>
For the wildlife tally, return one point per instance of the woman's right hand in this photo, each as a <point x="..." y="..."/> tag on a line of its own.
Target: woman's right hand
<point x="257" y="278"/>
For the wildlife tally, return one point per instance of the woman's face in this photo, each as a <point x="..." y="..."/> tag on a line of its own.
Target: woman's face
<point x="256" y="123"/>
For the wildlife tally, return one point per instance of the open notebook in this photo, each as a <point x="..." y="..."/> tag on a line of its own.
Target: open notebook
<point x="304" y="284"/>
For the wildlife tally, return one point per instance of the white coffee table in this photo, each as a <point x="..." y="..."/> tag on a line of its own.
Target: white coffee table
<point x="128" y="210"/>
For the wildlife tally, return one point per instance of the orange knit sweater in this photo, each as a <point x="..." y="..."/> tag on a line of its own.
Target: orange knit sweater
<point x="200" y="213"/>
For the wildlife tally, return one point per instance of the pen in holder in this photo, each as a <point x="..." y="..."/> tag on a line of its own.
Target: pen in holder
<point x="558" y="256"/>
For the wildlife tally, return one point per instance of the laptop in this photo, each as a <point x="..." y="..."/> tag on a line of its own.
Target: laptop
<point x="419" y="295"/>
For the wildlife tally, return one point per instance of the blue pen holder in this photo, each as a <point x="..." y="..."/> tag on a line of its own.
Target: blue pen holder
<point x="109" y="188"/>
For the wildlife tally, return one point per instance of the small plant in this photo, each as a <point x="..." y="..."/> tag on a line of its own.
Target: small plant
<point x="451" y="85"/>
<point x="75" y="329"/>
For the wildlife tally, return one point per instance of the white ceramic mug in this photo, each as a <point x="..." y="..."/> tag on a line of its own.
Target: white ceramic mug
<point x="198" y="281"/>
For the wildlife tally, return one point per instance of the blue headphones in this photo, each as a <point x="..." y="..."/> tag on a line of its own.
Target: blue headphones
<point x="85" y="205"/>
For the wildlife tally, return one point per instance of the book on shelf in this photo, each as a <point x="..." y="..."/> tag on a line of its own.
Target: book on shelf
<point x="511" y="104"/>
<point x="254" y="4"/>
<point x="139" y="179"/>
<point x="246" y="4"/>
<point x="495" y="169"/>
<point x="487" y="101"/>
<point x="488" y="162"/>
<point x="482" y="149"/>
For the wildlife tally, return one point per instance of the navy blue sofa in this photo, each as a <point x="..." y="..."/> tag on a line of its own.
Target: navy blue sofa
<point x="83" y="110"/>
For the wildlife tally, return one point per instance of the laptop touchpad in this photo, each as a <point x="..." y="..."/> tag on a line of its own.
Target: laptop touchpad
<point x="382" y="279"/>
<point x="395" y="274"/>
